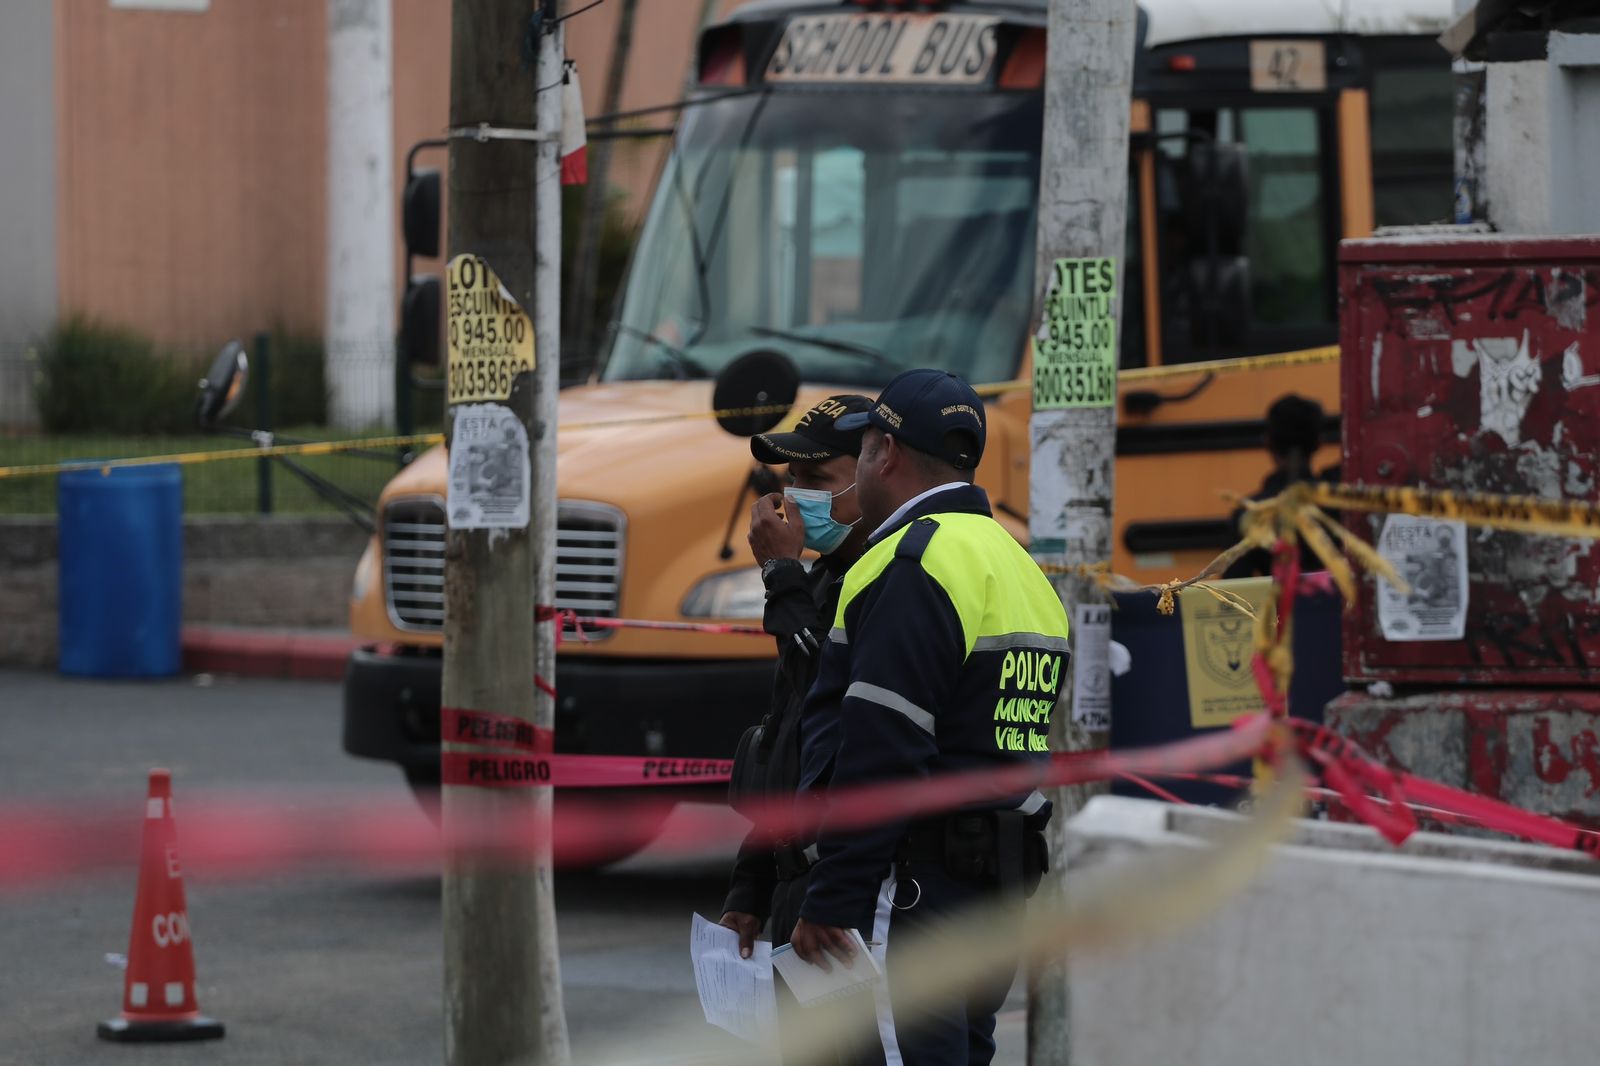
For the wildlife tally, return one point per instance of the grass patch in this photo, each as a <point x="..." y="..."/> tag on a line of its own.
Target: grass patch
<point x="222" y="487"/>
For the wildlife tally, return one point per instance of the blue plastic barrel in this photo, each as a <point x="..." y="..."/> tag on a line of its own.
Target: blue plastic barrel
<point x="120" y="551"/>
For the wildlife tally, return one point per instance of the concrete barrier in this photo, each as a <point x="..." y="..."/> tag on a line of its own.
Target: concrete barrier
<point x="289" y="571"/>
<point x="1449" y="951"/>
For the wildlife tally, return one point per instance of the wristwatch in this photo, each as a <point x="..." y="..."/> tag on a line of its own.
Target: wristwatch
<point x="772" y="566"/>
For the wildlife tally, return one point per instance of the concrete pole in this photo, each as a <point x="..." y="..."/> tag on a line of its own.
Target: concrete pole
<point x="1082" y="193"/>
<point x="360" y="315"/>
<point x="502" y="994"/>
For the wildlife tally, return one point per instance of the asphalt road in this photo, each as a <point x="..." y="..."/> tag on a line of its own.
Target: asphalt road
<point x="305" y="966"/>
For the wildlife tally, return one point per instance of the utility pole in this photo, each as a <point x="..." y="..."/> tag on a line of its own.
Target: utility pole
<point x="1083" y="178"/>
<point x="359" y="327"/>
<point x="502" y="987"/>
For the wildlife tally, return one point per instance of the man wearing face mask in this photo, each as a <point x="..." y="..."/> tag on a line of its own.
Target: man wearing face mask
<point x="818" y="511"/>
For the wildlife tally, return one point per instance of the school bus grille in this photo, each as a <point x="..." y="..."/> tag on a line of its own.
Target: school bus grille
<point x="589" y="553"/>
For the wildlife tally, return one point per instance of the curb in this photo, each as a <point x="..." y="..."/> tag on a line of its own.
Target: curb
<point x="266" y="653"/>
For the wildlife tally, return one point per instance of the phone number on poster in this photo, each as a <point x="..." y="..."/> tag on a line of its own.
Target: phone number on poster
<point x="1073" y="385"/>
<point x="475" y="378"/>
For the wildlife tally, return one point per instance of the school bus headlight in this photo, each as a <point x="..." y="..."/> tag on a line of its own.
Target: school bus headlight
<point x="366" y="570"/>
<point x="731" y="594"/>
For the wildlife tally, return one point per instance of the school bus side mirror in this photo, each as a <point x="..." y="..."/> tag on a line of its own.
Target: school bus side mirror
<point x="420" y="214"/>
<point x="421" y="336"/>
<point x="223" y="386"/>
<point x="755" y="392"/>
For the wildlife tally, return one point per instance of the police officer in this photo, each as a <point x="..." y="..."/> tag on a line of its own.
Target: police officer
<point x="819" y="511"/>
<point x="947" y="654"/>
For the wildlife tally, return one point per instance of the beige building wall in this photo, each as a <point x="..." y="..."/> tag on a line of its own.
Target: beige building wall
<point x="191" y="154"/>
<point x="191" y="166"/>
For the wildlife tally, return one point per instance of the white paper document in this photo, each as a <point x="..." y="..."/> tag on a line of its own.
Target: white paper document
<point x="812" y="984"/>
<point x="736" y="994"/>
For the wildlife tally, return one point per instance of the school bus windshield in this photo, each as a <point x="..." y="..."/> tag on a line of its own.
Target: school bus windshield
<point x="859" y="233"/>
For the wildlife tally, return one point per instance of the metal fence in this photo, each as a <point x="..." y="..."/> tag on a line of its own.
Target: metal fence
<point x="87" y="393"/>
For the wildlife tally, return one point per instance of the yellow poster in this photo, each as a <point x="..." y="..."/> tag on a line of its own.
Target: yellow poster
<point x="491" y="339"/>
<point x="1217" y="644"/>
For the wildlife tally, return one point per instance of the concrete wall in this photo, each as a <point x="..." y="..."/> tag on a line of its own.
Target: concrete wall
<point x="238" y="570"/>
<point x="1542" y="139"/>
<point x="27" y="185"/>
<point x="193" y="155"/>
<point x="192" y="167"/>
<point x="1537" y="748"/>
<point x="1517" y="146"/>
<point x="1344" y="951"/>
<point x="1575" y="133"/>
<point x="167" y="169"/>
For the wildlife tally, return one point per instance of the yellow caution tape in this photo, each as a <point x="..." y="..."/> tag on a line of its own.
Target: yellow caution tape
<point x="1515" y="514"/>
<point x="1277" y="361"/>
<point x="1307" y="357"/>
<point x="679" y="416"/>
<point x="327" y="447"/>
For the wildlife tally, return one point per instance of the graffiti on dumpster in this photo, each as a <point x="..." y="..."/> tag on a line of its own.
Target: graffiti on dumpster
<point x="1481" y="377"/>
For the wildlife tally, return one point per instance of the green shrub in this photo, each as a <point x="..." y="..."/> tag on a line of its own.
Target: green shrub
<point x="95" y="378"/>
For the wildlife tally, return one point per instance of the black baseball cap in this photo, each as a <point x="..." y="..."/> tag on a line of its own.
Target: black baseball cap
<point x="932" y="411"/>
<point x="817" y="437"/>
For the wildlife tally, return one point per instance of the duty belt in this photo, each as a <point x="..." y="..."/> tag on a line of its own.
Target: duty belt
<point x="993" y="847"/>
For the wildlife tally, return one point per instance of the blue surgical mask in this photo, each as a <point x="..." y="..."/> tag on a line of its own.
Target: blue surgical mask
<point x="824" y="533"/>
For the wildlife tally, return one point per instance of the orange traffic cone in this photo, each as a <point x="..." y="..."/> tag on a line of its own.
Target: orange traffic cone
<point x="158" y="1001"/>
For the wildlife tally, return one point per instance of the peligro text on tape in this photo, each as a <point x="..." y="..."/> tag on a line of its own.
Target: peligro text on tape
<point x="1515" y="514"/>
<point x="492" y="730"/>
<point x="578" y="771"/>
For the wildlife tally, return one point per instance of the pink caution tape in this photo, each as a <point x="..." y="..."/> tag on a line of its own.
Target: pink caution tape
<point x="243" y="837"/>
<point x="578" y="771"/>
<point x="458" y="726"/>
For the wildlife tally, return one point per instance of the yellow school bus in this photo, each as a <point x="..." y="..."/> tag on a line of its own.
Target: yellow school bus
<point x="854" y="187"/>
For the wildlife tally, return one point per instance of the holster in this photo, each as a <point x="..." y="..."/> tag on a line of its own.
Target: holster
<point x="747" y="785"/>
<point x="981" y="847"/>
<point x="791" y="861"/>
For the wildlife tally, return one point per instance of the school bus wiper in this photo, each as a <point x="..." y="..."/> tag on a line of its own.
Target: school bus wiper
<point x="686" y="363"/>
<point x="865" y="351"/>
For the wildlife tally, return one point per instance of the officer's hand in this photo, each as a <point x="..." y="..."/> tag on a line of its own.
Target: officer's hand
<point x="771" y="536"/>
<point x="748" y="926"/>
<point x="814" y="943"/>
